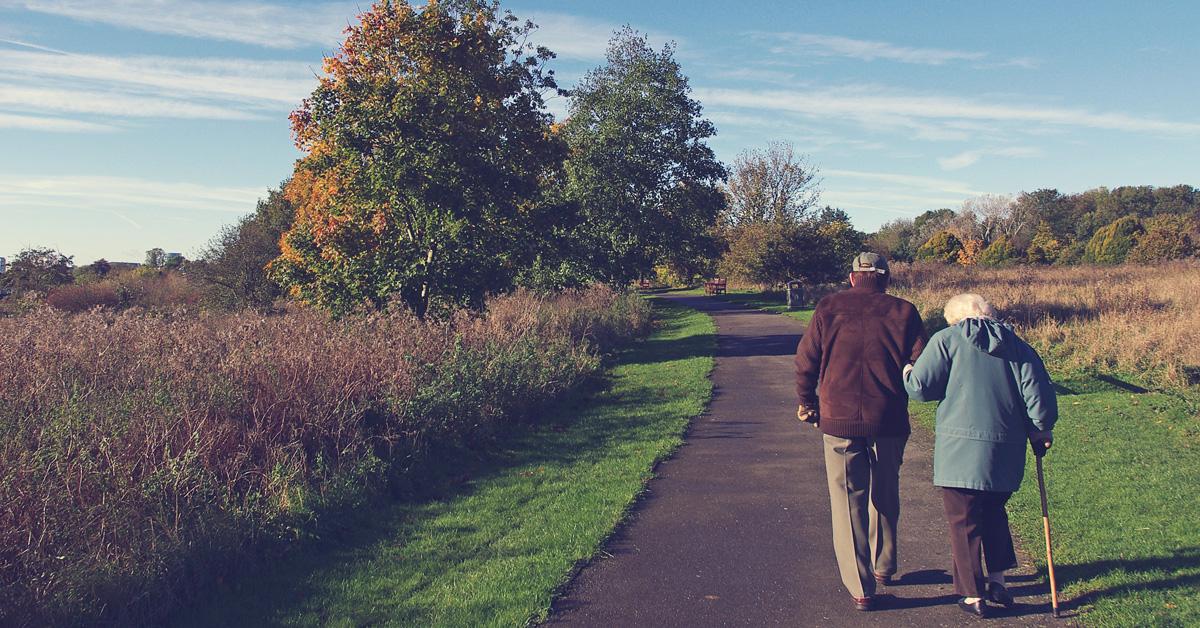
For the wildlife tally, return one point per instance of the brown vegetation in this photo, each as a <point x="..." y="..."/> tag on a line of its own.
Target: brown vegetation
<point x="140" y="452"/>
<point x="1135" y="319"/>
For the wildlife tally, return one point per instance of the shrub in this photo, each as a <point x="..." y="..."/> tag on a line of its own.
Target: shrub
<point x="998" y="253"/>
<point x="1167" y="237"/>
<point x="943" y="247"/>
<point x="142" y="455"/>
<point x="1112" y="242"/>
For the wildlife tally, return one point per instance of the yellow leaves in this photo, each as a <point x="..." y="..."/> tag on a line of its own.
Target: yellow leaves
<point x="478" y="102"/>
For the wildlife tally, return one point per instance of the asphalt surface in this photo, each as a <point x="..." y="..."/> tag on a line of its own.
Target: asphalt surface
<point x="735" y="529"/>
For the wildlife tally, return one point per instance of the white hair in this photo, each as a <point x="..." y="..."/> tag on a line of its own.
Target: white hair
<point x="967" y="306"/>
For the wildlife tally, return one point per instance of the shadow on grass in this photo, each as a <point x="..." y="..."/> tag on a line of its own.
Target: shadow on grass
<point x="280" y="580"/>
<point x="1179" y="570"/>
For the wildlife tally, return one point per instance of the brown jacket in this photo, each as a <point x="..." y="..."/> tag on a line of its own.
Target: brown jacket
<point x="851" y="358"/>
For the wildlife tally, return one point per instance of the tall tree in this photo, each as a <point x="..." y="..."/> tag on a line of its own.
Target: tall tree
<point x="772" y="183"/>
<point x="234" y="265"/>
<point x="426" y="140"/>
<point x="37" y="269"/>
<point x="639" y="168"/>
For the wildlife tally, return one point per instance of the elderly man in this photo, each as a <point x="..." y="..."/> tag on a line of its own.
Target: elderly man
<point x="848" y="377"/>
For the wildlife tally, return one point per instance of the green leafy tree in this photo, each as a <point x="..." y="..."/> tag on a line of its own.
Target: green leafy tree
<point x="426" y="143"/>
<point x="766" y="252"/>
<point x="895" y="240"/>
<point x="834" y="243"/>
<point x="941" y="247"/>
<point x="38" y="270"/>
<point x="155" y="258"/>
<point x="234" y="265"/>
<point x="1112" y="242"/>
<point x="1044" y="248"/>
<point x="1167" y="237"/>
<point x="639" y="168"/>
<point x="998" y="253"/>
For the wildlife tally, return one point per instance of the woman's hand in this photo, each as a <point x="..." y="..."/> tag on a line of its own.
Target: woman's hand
<point x="1041" y="441"/>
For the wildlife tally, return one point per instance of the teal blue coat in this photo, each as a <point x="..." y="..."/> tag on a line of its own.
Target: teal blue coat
<point x="994" y="390"/>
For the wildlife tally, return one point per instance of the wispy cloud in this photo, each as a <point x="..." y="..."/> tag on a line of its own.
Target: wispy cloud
<point x="874" y="106"/>
<point x="122" y="193"/>
<point x="270" y="83"/>
<point x="54" y="125"/>
<point x="892" y="193"/>
<point x="36" y="80"/>
<point x="570" y="36"/>
<point x="863" y="49"/>
<point x="971" y="157"/>
<point x="271" y="25"/>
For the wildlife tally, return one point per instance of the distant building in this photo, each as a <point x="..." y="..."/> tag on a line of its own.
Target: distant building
<point x="3" y="265"/>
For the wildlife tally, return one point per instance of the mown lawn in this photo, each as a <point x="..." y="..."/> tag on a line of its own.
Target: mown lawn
<point x="1121" y="479"/>
<point x="493" y="550"/>
<point x="767" y="301"/>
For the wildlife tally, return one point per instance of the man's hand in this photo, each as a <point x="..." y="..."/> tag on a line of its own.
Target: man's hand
<point x="1040" y="441"/>
<point x="808" y="415"/>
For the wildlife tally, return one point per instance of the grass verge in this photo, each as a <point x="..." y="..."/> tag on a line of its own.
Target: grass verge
<point x="1121" y="484"/>
<point x="493" y="549"/>
<point x="764" y="300"/>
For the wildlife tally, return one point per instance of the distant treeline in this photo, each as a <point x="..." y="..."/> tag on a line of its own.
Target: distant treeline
<point x="1100" y="226"/>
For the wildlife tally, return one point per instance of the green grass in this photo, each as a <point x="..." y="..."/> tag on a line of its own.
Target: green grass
<point x="768" y="301"/>
<point x="1122" y="480"/>
<point x="492" y="550"/>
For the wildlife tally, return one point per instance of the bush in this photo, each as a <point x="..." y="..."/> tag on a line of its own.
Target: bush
<point x="942" y="247"/>
<point x="142" y="456"/>
<point x="998" y="253"/>
<point x="1167" y="237"/>
<point x="1112" y="242"/>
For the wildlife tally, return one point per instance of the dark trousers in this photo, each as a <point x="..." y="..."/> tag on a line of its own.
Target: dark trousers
<point x="977" y="518"/>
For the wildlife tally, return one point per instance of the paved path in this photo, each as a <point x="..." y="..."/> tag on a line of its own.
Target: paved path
<point x="735" y="529"/>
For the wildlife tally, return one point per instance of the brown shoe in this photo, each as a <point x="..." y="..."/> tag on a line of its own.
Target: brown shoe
<point x="864" y="603"/>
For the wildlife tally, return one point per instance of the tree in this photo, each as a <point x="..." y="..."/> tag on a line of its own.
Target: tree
<point x="37" y="269"/>
<point x="1044" y="247"/>
<point x="771" y="183"/>
<point x="1167" y="237"/>
<point x="894" y="240"/>
<point x="234" y="265"/>
<point x="639" y="169"/>
<point x="155" y="258"/>
<point x="426" y="141"/>
<point x="1112" y="242"/>
<point x="998" y="253"/>
<point x="943" y="247"/>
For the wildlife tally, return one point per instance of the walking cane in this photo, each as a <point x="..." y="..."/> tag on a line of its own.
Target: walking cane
<point x="1046" y="526"/>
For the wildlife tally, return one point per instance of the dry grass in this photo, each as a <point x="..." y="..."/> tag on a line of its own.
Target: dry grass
<point x="140" y="453"/>
<point x="1135" y="319"/>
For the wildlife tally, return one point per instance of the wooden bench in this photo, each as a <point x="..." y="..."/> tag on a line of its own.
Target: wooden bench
<point x="714" y="286"/>
<point x="644" y="284"/>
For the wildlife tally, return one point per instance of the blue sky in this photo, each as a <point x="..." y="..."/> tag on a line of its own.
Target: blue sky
<point x="132" y="124"/>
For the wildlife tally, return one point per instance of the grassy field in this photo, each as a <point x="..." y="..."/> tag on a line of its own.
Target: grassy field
<point x="768" y="301"/>
<point x="1126" y="460"/>
<point x="509" y="527"/>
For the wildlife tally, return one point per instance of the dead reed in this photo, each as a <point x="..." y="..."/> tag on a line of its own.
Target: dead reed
<point x="1135" y="319"/>
<point x="140" y="451"/>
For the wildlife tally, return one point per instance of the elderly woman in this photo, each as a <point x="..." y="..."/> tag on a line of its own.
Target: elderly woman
<point x="994" y="393"/>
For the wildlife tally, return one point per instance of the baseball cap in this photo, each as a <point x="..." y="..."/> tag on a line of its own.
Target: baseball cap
<point x="869" y="262"/>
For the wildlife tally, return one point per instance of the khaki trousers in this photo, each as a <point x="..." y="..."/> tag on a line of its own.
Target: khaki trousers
<point x="864" y="497"/>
